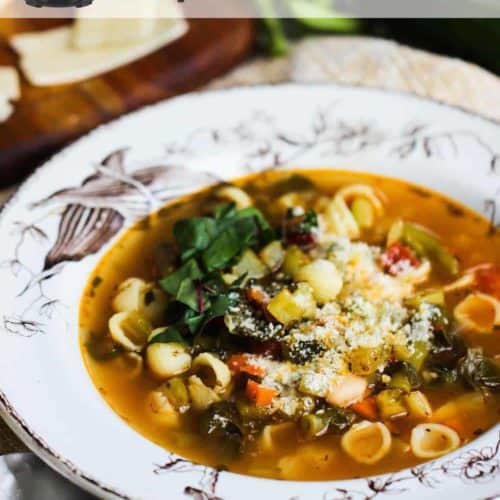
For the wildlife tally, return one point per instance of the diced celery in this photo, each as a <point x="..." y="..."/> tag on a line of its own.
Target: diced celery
<point x="363" y="212"/>
<point x="418" y="405"/>
<point x="177" y="393"/>
<point x="400" y="381"/>
<point x="390" y="404"/>
<point x="294" y="260"/>
<point x="250" y="265"/>
<point x="288" y="307"/>
<point x="136" y="327"/>
<point x="414" y="355"/>
<point x="273" y="255"/>
<point x="314" y="425"/>
<point x="365" y="361"/>
<point x="425" y="244"/>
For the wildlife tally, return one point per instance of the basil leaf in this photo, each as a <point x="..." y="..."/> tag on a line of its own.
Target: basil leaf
<point x="225" y="210"/>
<point x="169" y="335"/>
<point x="187" y="294"/>
<point x="220" y="306"/>
<point x="172" y="283"/>
<point x="194" y="235"/>
<point x="224" y="248"/>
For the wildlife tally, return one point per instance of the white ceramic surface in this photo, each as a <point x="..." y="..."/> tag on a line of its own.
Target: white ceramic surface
<point x="95" y="188"/>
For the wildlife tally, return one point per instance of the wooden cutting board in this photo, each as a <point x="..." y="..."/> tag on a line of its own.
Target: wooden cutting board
<point x="46" y="118"/>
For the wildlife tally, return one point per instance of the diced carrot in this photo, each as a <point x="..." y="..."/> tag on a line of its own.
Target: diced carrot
<point x="242" y="363"/>
<point x="488" y="279"/>
<point x="367" y="408"/>
<point x="260" y="394"/>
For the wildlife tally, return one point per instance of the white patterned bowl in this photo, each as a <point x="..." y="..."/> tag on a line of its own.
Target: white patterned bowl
<point x="46" y="395"/>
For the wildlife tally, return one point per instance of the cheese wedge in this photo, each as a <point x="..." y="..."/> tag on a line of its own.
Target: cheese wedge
<point x="50" y="58"/>
<point x="98" y="25"/>
<point x="9" y="91"/>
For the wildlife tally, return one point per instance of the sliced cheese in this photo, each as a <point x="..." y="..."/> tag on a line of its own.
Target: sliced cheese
<point x="97" y="25"/>
<point x="49" y="57"/>
<point x="9" y="91"/>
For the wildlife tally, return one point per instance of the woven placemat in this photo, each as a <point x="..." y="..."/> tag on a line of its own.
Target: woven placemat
<point x="360" y="61"/>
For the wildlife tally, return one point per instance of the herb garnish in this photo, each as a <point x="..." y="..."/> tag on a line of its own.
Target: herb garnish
<point x="207" y="246"/>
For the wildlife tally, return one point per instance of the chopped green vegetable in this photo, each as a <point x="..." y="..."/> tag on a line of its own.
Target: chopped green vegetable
<point x="177" y="393"/>
<point x="330" y="420"/>
<point x="221" y="423"/>
<point x="427" y="245"/>
<point x="480" y="372"/>
<point x="390" y="404"/>
<point x="167" y="336"/>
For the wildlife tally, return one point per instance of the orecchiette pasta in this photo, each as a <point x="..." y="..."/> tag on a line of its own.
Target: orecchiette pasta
<point x="339" y="219"/>
<point x="239" y="197"/>
<point x="274" y="436"/>
<point x="465" y="282"/>
<point x="135" y="294"/>
<point x="201" y="395"/>
<point x="166" y="360"/>
<point x="479" y="312"/>
<point x="214" y="373"/>
<point x="367" y="442"/>
<point x="433" y="440"/>
<point x="130" y="295"/>
<point x="353" y="191"/>
<point x="130" y="330"/>
<point x="162" y="409"/>
<point x="133" y="363"/>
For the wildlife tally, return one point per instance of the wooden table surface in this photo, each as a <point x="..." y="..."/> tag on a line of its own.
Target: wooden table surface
<point x="46" y="118"/>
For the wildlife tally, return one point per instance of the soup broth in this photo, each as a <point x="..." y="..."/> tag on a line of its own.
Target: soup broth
<point x="338" y="319"/>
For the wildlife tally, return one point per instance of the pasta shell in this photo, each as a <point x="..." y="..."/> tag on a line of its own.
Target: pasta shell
<point x="135" y="294"/>
<point x="133" y="363"/>
<point x="129" y="330"/>
<point x="465" y="282"/>
<point x="129" y="296"/>
<point x="367" y="442"/>
<point x="214" y="373"/>
<point x="340" y="220"/>
<point x="161" y="408"/>
<point x="478" y="312"/>
<point x="433" y="440"/>
<point x="275" y="437"/>
<point x="166" y="360"/>
<point x="347" y="193"/>
<point x="239" y="197"/>
<point x="201" y="395"/>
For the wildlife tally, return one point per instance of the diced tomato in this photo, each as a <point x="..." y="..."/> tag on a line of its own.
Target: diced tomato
<point x="260" y="394"/>
<point x="269" y="349"/>
<point x="488" y="280"/>
<point x="242" y="363"/>
<point x="397" y="258"/>
<point x="367" y="408"/>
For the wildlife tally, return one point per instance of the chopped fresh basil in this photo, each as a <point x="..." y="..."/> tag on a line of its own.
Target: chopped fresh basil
<point x="172" y="283"/>
<point x="170" y="335"/>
